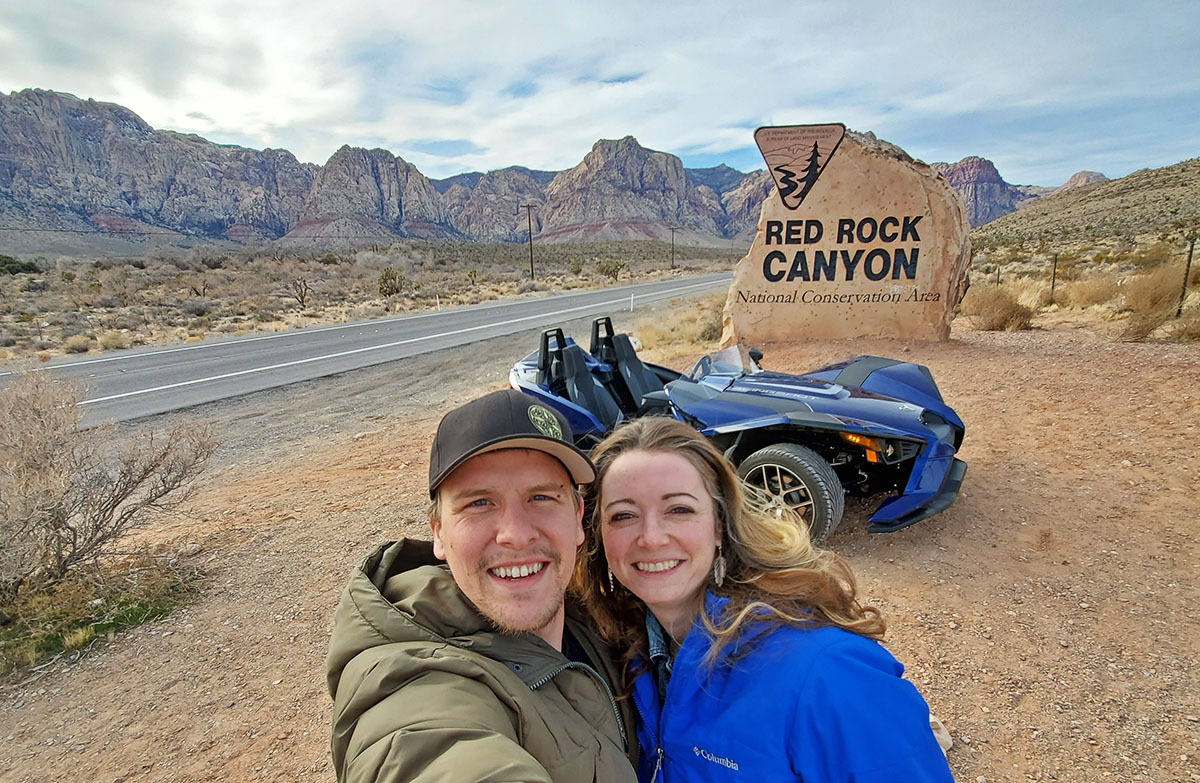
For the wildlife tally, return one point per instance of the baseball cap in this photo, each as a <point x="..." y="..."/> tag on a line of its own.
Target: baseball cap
<point x="505" y="419"/>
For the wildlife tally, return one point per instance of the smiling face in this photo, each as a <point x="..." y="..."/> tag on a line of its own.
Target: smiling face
<point x="509" y="524"/>
<point x="660" y="531"/>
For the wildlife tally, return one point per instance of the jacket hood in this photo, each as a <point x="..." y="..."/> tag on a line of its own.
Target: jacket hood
<point x="402" y="593"/>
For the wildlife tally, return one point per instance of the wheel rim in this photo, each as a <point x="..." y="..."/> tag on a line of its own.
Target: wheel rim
<point x="784" y="490"/>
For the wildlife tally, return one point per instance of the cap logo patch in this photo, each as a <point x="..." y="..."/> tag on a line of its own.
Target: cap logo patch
<point x="545" y="421"/>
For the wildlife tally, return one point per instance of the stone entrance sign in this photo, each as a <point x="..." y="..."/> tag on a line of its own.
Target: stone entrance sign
<point x="863" y="241"/>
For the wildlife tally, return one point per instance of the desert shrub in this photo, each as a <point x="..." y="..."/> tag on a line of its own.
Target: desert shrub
<point x="68" y="494"/>
<point x="575" y="266"/>
<point x="113" y="340"/>
<point x="196" y="306"/>
<point x="1086" y="293"/>
<point x="994" y="308"/>
<point x="77" y="343"/>
<point x="12" y="266"/>
<point x="391" y="282"/>
<point x="611" y="267"/>
<point x="527" y="287"/>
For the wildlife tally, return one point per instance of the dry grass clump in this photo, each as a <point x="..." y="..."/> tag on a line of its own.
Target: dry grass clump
<point x="1186" y="328"/>
<point x="1030" y="292"/>
<point x="1152" y="292"/>
<point x="110" y="341"/>
<point x="1150" y="299"/>
<point x="994" y="308"/>
<point x="695" y="329"/>
<point x="77" y="343"/>
<point x="1087" y="293"/>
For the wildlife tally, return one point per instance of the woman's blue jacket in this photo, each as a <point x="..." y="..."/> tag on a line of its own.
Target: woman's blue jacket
<point x="819" y="704"/>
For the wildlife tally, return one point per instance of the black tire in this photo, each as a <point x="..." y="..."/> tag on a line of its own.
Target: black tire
<point x="799" y="479"/>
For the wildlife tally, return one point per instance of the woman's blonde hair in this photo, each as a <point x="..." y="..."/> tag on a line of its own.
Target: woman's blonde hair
<point x="774" y="573"/>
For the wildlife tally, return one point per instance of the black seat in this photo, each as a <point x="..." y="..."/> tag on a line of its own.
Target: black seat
<point x="637" y="377"/>
<point x="585" y="391"/>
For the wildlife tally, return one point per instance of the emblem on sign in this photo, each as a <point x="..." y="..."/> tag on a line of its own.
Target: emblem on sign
<point x="796" y="155"/>
<point x="545" y="421"/>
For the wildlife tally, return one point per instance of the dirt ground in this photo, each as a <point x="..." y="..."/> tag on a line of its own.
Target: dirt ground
<point x="1049" y="616"/>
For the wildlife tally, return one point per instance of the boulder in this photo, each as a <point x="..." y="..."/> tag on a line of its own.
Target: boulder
<point x="878" y="247"/>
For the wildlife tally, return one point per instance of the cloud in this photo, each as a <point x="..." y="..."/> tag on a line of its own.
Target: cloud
<point x="1040" y="88"/>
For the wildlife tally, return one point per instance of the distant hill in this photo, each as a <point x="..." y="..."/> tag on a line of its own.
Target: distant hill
<point x="1144" y="203"/>
<point x="986" y="196"/>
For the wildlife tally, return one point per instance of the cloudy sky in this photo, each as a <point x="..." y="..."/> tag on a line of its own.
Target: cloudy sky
<point x="1042" y="88"/>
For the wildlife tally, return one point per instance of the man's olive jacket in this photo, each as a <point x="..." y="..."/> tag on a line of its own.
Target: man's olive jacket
<point x="425" y="689"/>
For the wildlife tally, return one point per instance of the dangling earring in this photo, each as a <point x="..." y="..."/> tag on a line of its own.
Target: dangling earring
<point x="719" y="567"/>
<point x="611" y="587"/>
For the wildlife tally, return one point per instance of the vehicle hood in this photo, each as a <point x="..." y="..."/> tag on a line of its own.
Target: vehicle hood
<point x="775" y="395"/>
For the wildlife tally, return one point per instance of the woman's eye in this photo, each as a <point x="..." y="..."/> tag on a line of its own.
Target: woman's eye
<point x="620" y="516"/>
<point x="682" y="510"/>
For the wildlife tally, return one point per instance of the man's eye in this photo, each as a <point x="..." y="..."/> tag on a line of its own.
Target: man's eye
<point x="479" y="502"/>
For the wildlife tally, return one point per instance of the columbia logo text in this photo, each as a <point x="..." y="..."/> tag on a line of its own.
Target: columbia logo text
<point x="724" y="762"/>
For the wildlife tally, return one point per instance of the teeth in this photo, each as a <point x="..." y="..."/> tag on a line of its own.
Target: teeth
<point x="662" y="565"/>
<point x="516" y="572"/>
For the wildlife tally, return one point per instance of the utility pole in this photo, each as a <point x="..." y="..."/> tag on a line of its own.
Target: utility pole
<point x="528" y="219"/>
<point x="673" y="230"/>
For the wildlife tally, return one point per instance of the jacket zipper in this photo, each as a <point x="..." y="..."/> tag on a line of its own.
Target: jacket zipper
<point x="658" y="762"/>
<point x="612" y="702"/>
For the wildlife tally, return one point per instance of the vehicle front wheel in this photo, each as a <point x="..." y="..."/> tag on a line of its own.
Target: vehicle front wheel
<point x="799" y="480"/>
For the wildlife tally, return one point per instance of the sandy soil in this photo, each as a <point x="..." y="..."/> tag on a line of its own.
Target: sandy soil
<point x="1049" y="616"/>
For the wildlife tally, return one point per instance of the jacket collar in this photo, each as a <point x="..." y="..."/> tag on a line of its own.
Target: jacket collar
<point x="418" y="598"/>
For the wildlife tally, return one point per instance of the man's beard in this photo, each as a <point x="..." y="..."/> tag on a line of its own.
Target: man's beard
<point x="509" y="625"/>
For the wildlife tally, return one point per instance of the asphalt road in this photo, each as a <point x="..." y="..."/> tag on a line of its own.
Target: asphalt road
<point x="131" y="384"/>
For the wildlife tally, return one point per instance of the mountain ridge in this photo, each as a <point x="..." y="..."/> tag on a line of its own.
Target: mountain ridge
<point x="80" y="165"/>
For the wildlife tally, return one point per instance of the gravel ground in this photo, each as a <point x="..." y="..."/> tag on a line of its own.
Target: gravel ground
<point x="1049" y="616"/>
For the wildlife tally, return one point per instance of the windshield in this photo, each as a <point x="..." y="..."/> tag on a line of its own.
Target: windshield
<point x="733" y="360"/>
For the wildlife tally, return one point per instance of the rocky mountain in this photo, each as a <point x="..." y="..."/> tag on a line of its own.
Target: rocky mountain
<point x="1145" y="203"/>
<point x="471" y="178"/>
<point x="491" y="210"/>
<point x="99" y="170"/>
<point x="379" y="187"/>
<point x="84" y="165"/>
<point x="985" y="195"/>
<point x="720" y="178"/>
<point x="1081" y="179"/>
<point x="621" y="190"/>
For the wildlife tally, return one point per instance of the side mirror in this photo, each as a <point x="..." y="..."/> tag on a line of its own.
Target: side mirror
<point x="756" y="356"/>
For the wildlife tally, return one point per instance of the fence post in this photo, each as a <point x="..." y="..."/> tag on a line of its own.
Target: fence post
<point x="1053" y="277"/>
<point x="1187" y="272"/>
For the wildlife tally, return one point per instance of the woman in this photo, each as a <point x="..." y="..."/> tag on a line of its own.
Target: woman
<point x="748" y="654"/>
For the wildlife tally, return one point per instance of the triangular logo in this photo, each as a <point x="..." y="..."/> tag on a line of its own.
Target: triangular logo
<point x="796" y="155"/>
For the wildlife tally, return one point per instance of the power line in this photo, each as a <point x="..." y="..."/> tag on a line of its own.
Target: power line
<point x="82" y="231"/>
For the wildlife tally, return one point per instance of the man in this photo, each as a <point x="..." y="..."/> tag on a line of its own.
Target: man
<point x="479" y="670"/>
